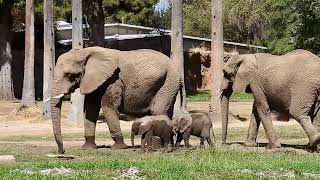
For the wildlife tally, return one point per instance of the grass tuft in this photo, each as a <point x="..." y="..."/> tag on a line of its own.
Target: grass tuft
<point x="204" y="95"/>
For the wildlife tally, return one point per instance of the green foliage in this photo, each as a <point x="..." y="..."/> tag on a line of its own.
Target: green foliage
<point x="281" y="25"/>
<point x="63" y="10"/>
<point x="139" y="12"/>
<point x="308" y="31"/>
<point x="197" y="18"/>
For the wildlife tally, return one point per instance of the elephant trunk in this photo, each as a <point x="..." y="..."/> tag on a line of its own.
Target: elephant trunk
<point x="224" y="113"/>
<point x="132" y="139"/>
<point x="56" y="119"/>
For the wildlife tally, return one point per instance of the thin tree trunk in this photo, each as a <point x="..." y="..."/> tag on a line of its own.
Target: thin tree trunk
<point x="28" y="95"/>
<point x="48" y="56"/>
<point x="177" y="50"/>
<point x="94" y="12"/>
<point x="77" y="100"/>
<point x="216" y="58"/>
<point x="6" y="87"/>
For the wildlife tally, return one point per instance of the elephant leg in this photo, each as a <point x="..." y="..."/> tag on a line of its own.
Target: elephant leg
<point x="179" y="139"/>
<point x="165" y="143"/>
<point x="143" y="142"/>
<point x="149" y="136"/>
<point x="264" y="114"/>
<point x="91" y="108"/>
<point x="201" y="142"/>
<point x="299" y="111"/>
<point x="316" y="119"/>
<point x="253" y="128"/>
<point x="186" y="137"/>
<point x="208" y="139"/>
<point x="110" y="104"/>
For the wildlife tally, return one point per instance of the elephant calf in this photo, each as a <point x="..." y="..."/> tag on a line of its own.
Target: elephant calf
<point x="197" y="124"/>
<point x="150" y="126"/>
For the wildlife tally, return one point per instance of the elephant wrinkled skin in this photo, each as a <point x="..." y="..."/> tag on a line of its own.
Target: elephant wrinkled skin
<point x="288" y="84"/>
<point x="149" y="126"/>
<point x="139" y="83"/>
<point x="196" y="124"/>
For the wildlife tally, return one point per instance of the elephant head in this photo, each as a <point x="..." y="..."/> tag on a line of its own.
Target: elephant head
<point x="88" y="69"/>
<point x="238" y="73"/>
<point x="140" y="127"/>
<point x="181" y="122"/>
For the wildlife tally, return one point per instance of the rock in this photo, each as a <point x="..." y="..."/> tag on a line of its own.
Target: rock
<point x="7" y="159"/>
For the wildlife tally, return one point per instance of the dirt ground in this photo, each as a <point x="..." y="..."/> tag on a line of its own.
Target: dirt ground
<point x="32" y="125"/>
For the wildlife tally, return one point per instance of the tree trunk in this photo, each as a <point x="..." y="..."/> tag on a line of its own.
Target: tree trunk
<point x="94" y="12"/>
<point x="48" y="56"/>
<point x="177" y="50"/>
<point x="28" y="95"/>
<point x="77" y="100"/>
<point x="216" y="58"/>
<point x="6" y="88"/>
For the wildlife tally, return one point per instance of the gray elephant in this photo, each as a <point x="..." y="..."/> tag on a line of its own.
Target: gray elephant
<point x="288" y="84"/>
<point x="196" y="124"/>
<point x="138" y="83"/>
<point x="149" y="126"/>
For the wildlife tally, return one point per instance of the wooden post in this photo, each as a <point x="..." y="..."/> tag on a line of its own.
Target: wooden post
<point x="48" y="56"/>
<point x="177" y="50"/>
<point x="216" y="58"/>
<point x="77" y="100"/>
<point x="28" y="95"/>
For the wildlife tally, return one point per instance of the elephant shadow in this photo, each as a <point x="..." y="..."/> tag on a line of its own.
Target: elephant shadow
<point x="305" y="147"/>
<point x="109" y="147"/>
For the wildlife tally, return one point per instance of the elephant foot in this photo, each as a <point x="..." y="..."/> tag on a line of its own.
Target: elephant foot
<point x="89" y="146"/>
<point x="250" y="144"/>
<point x="274" y="145"/>
<point x="90" y="143"/>
<point x="314" y="140"/>
<point x="119" y="143"/>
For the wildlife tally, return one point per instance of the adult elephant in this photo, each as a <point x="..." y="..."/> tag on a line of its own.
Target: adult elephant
<point x="288" y="84"/>
<point x="139" y="83"/>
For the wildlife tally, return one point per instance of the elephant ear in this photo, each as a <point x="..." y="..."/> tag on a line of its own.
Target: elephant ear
<point x="185" y="122"/>
<point x="145" y="126"/>
<point x="99" y="68"/>
<point x="245" y="74"/>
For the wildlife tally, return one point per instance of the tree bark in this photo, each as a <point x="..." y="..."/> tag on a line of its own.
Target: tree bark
<point x="48" y="56"/>
<point x="77" y="100"/>
<point x="94" y="12"/>
<point x="6" y="87"/>
<point x="216" y="58"/>
<point x="177" y="50"/>
<point x="28" y="94"/>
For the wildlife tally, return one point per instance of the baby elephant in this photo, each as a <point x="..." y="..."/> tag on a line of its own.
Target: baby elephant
<point x="197" y="124"/>
<point x="150" y="126"/>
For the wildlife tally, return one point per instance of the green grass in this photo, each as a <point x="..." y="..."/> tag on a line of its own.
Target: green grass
<point x="205" y="96"/>
<point x="212" y="163"/>
<point x="227" y="162"/>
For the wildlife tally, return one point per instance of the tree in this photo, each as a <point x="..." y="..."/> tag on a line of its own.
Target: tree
<point x="138" y="12"/>
<point x="28" y="94"/>
<point x="77" y="100"/>
<point x="48" y="56"/>
<point x="216" y="58"/>
<point x="177" y="49"/>
<point x="94" y="12"/>
<point x="6" y="88"/>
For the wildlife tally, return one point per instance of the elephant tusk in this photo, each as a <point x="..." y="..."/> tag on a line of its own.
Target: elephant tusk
<point x="46" y="100"/>
<point x="55" y="97"/>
